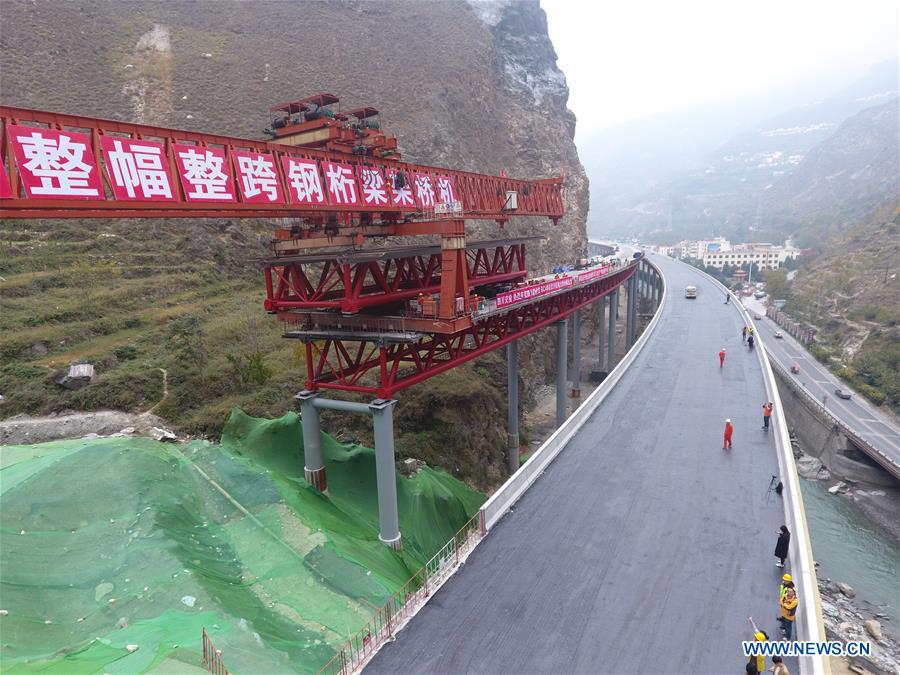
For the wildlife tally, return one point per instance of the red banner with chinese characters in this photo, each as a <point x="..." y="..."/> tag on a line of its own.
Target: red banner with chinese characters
<point x="341" y="184"/>
<point x="423" y="186"/>
<point x="304" y="180"/>
<point x="137" y="170"/>
<point x="375" y="191"/>
<point x="446" y="190"/>
<point x="55" y="164"/>
<point x="533" y="291"/>
<point x="401" y="188"/>
<point x="592" y="274"/>
<point x="205" y="175"/>
<point x="257" y="177"/>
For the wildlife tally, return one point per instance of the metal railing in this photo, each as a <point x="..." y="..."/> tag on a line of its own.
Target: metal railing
<point x="212" y="657"/>
<point x="403" y="604"/>
<point x="887" y="462"/>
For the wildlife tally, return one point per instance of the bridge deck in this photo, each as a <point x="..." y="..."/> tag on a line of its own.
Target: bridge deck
<point x="645" y="546"/>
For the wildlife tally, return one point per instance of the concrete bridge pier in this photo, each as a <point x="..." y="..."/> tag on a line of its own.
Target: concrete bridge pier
<point x="561" y="363"/>
<point x="385" y="476"/>
<point x="388" y="520"/>
<point x="613" y="315"/>
<point x="313" y="464"/>
<point x="512" y="398"/>
<point x="631" y="311"/>
<point x="600" y="326"/>
<point x="576" y="354"/>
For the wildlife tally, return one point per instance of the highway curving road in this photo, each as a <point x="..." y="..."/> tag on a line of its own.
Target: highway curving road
<point x="862" y="417"/>
<point x="644" y="546"/>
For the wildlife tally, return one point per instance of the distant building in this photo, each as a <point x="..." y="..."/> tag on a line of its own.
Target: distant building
<point x="764" y="256"/>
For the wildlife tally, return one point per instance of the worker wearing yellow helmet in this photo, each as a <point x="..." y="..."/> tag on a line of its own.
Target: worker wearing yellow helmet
<point x="786" y="582"/>
<point x="760" y="636"/>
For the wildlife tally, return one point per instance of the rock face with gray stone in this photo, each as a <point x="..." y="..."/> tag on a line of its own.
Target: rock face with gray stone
<point x="77" y="376"/>
<point x="873" y="628"/>
<point x="846" y="589"/>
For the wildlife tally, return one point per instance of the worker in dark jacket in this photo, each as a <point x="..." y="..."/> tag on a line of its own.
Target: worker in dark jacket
<point x="781" y="546"/>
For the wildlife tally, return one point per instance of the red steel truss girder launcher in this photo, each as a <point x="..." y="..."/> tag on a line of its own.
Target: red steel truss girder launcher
<point x="342" y="364"/>
<point x="96" y="181"/>
<point x="361" y="279"/>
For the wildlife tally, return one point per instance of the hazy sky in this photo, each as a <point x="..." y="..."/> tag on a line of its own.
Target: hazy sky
<point x="628" y="59"/>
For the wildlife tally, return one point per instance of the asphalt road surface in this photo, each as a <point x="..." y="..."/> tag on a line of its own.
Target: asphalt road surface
<point x="644" y="546"/>
<point x="857" y="413"/>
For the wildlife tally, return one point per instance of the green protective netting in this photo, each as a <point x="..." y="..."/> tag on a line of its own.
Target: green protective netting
<point x="115" y="542"/>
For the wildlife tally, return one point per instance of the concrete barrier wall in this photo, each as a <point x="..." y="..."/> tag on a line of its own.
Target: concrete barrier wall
<point x="809" y="624"/>
<point x="510" y="492"/>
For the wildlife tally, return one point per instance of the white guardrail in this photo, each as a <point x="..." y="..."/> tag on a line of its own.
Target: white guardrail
<point x="809" y="624"/>
<point x="510" y="492"/>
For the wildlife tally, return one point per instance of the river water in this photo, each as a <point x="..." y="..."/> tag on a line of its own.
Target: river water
<point x="849" y="548"/>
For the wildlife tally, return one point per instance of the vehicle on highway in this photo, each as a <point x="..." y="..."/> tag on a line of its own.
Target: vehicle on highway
<point x="795" y="369"/>
<point x="779" y="334"/>
<point x="690" y="291"/>
<point x="757" y="317"/>
<point x="841" y="393"/>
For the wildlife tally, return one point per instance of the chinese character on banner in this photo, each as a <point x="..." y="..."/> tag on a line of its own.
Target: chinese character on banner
<point x="56" y="164"/>
<point x="401" y="188"/>
<point x="5" y="189"/>
<point x="341" y="183"/>
<point x="304" y="180"/>
<point x="374" y="189"/>
<point x="257" y="178"/>
<point x="424" y="185"/>
<point x="204" y="174"/>
<point x="137" y="170"/>
<point x="446" y="190"/>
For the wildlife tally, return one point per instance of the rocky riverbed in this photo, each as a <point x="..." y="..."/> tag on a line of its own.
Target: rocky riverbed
<point x="848" y="618"/>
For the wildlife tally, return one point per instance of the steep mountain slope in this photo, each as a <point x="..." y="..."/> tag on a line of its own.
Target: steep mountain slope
<point x="724" y="189"/>
<point x="850" y="294"/>
<point x="469" y="86"/>
<point x="843" y="177"/>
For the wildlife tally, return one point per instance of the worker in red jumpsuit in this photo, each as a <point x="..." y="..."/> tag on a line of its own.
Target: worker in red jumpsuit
<point x="729" y="429"/>
<point x="722" y="358"/>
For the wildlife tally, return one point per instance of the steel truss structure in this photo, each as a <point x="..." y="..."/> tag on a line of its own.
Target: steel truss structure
<point x="384" y="364"/>
<point x="352" y="281"/>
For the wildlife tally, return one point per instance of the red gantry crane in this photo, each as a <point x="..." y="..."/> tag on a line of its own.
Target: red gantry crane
<point x="373" y="320"/>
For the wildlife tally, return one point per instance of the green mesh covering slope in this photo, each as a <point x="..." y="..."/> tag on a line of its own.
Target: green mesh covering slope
<point x="112" y="542"/>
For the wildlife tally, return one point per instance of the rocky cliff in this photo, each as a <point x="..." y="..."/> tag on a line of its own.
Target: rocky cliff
<point x="467" y="85"/>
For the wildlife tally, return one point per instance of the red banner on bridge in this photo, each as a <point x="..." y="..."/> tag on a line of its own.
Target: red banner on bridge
<point x="533" y="291"/>
<point x="55" y="164"/>
<point x="592" y="274"/>
<point x="257" y="177"/>
<point x="137" y="169"/>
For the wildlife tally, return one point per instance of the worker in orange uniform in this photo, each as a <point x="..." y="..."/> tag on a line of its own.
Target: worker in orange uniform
<point x="420" y="300"/>
<point x="767" y="413"/>
<point x="729" y="429"/>
<point x="722" y="358"/>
